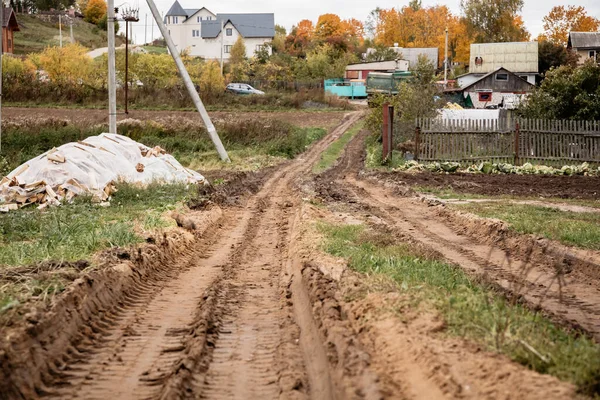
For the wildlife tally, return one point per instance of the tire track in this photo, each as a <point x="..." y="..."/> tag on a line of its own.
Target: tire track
<point x="211" y="326"/>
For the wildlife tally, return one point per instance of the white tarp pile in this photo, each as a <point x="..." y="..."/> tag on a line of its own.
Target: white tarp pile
<point x="91" y="166"/>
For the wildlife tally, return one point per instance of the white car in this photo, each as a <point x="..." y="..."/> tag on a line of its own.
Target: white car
<point x="242" y="88"/>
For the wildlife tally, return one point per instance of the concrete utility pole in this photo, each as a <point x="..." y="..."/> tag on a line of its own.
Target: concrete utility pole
<point x="146" y="30"/>
<point x="59" y="28"/>
<point x="446" y="61"/>
<point x="222" y="37"/>
<point x="112" y="81"/>
<point x="71" y="27"/>
<point x="188" y="83"/>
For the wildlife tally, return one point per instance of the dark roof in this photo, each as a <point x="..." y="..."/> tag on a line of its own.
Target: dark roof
<point x="9" y="18"/>
<point x="582" y="40"/>
<point x="176" y="10"/>
<point x="492" y="73"/>
<point x="248" y="25"/>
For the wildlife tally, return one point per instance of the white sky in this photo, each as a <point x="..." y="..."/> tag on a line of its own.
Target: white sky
<point x="288" y="13"/>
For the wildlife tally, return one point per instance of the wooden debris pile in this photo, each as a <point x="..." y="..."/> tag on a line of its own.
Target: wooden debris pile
<point x="89" y="167"/>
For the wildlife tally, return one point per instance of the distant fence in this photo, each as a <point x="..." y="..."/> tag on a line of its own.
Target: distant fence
<point x="507" y="140"/>
<point x="286" y="85"/>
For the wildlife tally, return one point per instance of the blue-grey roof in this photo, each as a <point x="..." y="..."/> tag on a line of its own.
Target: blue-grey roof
<point x="176" y="10"/>
<point x="248" y="25"/>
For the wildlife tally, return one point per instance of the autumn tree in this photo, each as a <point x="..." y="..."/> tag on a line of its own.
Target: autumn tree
<point x="94" y="11"/>
<point x="238" y="62"/>
<point x="300" y="37"/>
<point x="382" y="53"/>
<point x="561" y="20"/>
<point x="490" y="21"/>
<point x="211" y="81"/>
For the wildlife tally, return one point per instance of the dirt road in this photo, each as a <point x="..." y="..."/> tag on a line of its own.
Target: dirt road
<point x="562" y="282"/>
<point x="240" y="309"/>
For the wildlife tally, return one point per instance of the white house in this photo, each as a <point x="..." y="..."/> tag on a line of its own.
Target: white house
<point x="202" y="32"/>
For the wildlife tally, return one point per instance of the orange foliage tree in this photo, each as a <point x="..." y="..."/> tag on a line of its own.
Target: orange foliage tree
<point x="423" y="27"/>
<point x="94" y="11"/>
<point x="561" y="20"/>
<point x="300" y="37"/>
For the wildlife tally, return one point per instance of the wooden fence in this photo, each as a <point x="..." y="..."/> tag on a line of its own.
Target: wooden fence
<point x="509" y="140"/>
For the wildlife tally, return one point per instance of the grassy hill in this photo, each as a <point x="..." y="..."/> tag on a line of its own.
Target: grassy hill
<point x="37" y="34"/>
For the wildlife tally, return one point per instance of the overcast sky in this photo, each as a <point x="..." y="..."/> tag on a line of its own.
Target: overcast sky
<point x="288" y="13"/>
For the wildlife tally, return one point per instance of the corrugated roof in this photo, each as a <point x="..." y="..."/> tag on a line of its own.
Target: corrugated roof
<point x="176" y="10"/>
<point x="514" y="56"/>
<point x="582" y="40"/>
<point x="248" y="25"/>
<point x="493" y="72"/>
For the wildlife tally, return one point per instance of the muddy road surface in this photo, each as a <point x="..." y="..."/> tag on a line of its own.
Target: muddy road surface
<point x="242" y="304"/>
<point x="562" y="282"/>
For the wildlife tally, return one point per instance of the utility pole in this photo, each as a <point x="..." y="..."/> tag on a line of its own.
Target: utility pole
<point x="222" y="37"/>
<point x="112" y="84"/>
<point x="59" y="28"/>
<point x="129" y="15"/>
<point x="212" y="132"/>
<point x="71" y="27"/>
<point x="146" y="29"/>
<point x="446" y="61"/>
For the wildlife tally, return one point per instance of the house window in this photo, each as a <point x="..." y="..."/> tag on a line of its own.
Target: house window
<point x="229" y="31"/>
<point x="259" y="47"/>
<point x="209" y="18"/>
<point x="199" y="19"/>
<point x="485" y="96"/>
<point x="196" y="33"/>
<point x="227" y="49"/>
<point x="592" y="53"/>
<point x="524" y="77"/>
<point x="175" y="20"/>
<point x="501" y="77"/>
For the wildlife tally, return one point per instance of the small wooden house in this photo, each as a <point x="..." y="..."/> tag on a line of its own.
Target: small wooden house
<point x="585" y="44"/>
<point x="9" y="26"/>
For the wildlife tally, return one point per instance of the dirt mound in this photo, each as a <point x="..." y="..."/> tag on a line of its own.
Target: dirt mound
<point x="566" y="187"/>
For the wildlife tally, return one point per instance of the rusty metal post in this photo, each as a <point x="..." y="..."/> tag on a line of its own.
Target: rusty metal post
<point x="391" y="132"/>
<point x="417" y="142"/>
<point x="517" y="143"/>
<point x="385" y="133"/>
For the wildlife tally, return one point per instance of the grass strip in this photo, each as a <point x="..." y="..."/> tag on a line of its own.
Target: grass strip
<point x="570" y="228"/>
<point x="334" y="151"/>
<point x="470" y="310"/>
<point x="76" y="231"/>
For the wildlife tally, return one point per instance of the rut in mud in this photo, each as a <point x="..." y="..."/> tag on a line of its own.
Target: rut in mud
<point x="559" y="281"/>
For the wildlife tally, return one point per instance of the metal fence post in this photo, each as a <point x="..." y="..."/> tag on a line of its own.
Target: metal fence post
<point x="390" y="132"/>
<point x="517" y="143"/>
<point x="385" y="133"/>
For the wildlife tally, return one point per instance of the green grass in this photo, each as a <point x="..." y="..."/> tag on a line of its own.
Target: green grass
<point x="470" y="310"/>
<point x="76" y="231"/>
<point x="155" y="49"/>
<point x="251" y="144"/>
<point x="335" y="149"/>
<point x="570" y="228"/>
<point x="374" y="158"/>
<point x="35" y="35"/>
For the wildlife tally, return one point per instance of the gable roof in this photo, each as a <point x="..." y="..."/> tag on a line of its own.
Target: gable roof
<point x="582" y="40"/>
<point x="248" y="25"/>
<point x="176" y="10"/>
<point x="492" y="73"/>
<point x="9" y="19"/>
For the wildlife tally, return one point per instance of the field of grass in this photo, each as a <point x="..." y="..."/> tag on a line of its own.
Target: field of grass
<point x="35" y="35"/>
<point x="470" y="310"/>
<point x="155" y="49"/>
<point x="251" y="144"/>
<point x="570" y="228"/>
<point x="334" y="151"/>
